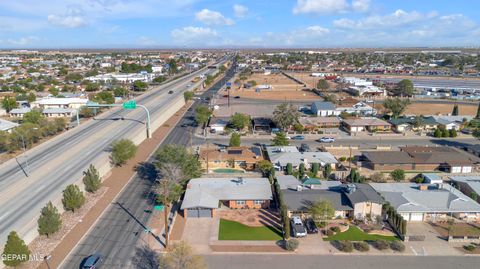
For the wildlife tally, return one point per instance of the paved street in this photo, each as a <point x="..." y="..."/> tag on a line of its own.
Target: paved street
<point x="117" y="233"/>
<point x="279" y="261"/>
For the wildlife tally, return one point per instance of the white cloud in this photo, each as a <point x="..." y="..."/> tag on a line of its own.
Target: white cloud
<point x="397" y="18"/>
<point x="194" y="35"/>
<point x="309" y="36"/>
<point x="240" y="11"/>
<point x="73" y="18"/>
<point x="23" y="41"/>
<point x="210" y="17"/>
<point x="320" y="6"/>
<point x="361" y="5"/>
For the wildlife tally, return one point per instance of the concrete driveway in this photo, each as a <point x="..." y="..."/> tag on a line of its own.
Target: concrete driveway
<point x="433" y="244"/>
<point x="314" y="244"/>
<point x="198" y="233"/>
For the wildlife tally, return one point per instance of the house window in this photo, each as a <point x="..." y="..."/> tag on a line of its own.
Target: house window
<point x="258" y="202"/>
<point x="241" y="202"/>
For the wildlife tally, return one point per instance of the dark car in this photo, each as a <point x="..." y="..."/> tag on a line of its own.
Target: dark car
<point x="237" y="97"/>
<point x="311" y="226"/>
<point x="298" y="137"/>
<point x="92" y="262"/>
<point x="304" y="147"/>
<point x="170" y="92"/>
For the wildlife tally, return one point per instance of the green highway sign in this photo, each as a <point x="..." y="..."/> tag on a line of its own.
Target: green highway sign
<point x="130" y="104"/>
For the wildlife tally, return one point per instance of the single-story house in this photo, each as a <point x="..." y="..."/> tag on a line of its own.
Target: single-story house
<point x="349" y="200"/>
<point x="468" y="185"/>
<point x="324" y="109"/>
<point x="205" y="195"/>
<point x="416" y="158"/>
<point x="403" y="124"/>
<point x="426" y="202"/>
<point x="218" y="125"/>
<point x="281" y="156"/>
<point x="55" y="102"/>
<point x="59" y="112"/>
<point x="367" y="90"/>
<point x="232" y="157"/>
<point x="358" y="108"/>
<point x="452" y="122"/>
<point x="19" y="112"/>
<point x="313" y="123"/>
<point x="366" y="124"/>
<point x="7" y="126"/>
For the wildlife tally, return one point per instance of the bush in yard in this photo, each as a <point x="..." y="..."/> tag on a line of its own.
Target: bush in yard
<point x="381" y="244"/>
<point x="397" y="246"/>
<point x="73" y="198"/>
<point x="469" y="247"/>
<point x="330" y="232"/>
<point x="398" y="175"/>
<point x="49" y="221"/>
<point x="378" y="178"/>
<point x="361" y="246"/>
<point x="345" y="246"/>
<point x="289" y="169"/>
<point x="292" y="244"/>
<point x="122" y="151"/>
<point x="335" y="229"/>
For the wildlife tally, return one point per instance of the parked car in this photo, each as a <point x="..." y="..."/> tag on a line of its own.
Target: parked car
<point x="92" y="261"/>
<point x="326" y="140"/>
<point x="298" y="137"/>
<point x="304" y="147"/>
<point x="170" y="92"/>
<point x="298" y="228"/>
<point x="311" y="226"/>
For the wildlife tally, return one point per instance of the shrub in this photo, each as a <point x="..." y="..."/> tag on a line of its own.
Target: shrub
<point x="292" y="244"/>
<point x="335" y="229"/>
<point x="345" y="246"/>
<point x="330" y="232"/>
<point x="122" y="151"/>
<point x="381" y="244"/>
<point x="361" y="246"/>
<point x="397" y="246"/>
<point x="342" y="159"/>
<point x="73" y="198"/>
<point x="378" y="178"/>
<point x="398" y="175"/>
<point x="469" y="247"/>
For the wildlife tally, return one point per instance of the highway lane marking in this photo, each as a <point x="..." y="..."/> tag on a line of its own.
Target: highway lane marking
<point x="4" y="215"/>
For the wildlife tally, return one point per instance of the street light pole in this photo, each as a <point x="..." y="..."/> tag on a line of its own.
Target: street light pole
<point x="24" y="151"/>
<point x="148" y="120"/>
<point x="46" y="258"/>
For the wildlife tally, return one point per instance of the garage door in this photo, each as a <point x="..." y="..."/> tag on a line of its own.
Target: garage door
<point x="416" y="216"/>
<point x="199" y="213"/>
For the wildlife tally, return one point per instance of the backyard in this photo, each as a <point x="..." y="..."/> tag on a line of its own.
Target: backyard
<point x="232" y="230"/>
<point x="355" y="234"/>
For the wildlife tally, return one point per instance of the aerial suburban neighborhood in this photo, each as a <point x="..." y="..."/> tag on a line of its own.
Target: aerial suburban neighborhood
<point x="245" y="140"/>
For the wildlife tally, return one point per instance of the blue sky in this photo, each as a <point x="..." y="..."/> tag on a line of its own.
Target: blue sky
<point x="252" y="23"/>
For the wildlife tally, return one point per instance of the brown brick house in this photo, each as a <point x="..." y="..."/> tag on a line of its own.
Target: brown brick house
<point x="232" y="157"/>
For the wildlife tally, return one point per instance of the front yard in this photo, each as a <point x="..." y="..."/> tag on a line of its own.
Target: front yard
<point x="232" y="230"/>
<point x="355" y="234"/>
<point x="456" y="229"/>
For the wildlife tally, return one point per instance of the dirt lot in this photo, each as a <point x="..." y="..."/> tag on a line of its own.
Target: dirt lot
<point x="283" y="88"/>
<point x="310" y="81"/>
<point x="434" y="109"/>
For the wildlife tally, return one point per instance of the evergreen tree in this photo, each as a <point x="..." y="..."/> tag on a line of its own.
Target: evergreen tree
<point x="49" y="221"/>
<point x="327" y="171"/>
<point x="15" y="248"/>
<point x="315" y="168"/>
<point x="289" y="169"/>
<point x="280" y="139"/>
<point x="478" y="112"/>
<point x="445" y="133"/>
<point x="91" y="179"/>
<point x="455" y="110"/>
<point x="235" y="140"/>
<point x="437" y="133"/>
<point x="301" y="170"/>
<point x="453" y="133"/>
<point x="73" y="198"/>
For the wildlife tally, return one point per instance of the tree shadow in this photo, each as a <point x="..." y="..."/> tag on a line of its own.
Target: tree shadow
<point x="145" y="258"/>
<point x="147" y="171"/>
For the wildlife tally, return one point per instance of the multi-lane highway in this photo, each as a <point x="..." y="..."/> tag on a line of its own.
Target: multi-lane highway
<point x="116" y="234"/>
<point x="59" y="162"/>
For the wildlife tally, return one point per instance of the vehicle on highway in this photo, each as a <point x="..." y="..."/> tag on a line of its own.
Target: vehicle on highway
<point x="298" y="229"/>
<point x="326" y="140"/>
<point x="298" y="137"/>
<point x="92" y="262"/>
<point x="311" y="226"/>
<point x="304" y="147"/>
<point x="237" y="97"/>
<point x="170" y="92"/>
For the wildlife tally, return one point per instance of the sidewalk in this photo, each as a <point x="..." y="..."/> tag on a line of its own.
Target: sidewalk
<point x="117" y="180"/>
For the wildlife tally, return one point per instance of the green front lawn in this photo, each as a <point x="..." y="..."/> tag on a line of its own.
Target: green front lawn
<point x="355" y="234"/>
<point x="232" y="230"/>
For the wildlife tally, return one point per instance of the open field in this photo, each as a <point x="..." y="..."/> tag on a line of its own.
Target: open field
<point x="283" y="88"/>
<point x="310" y="81"/>
<point x="434" y="109"/>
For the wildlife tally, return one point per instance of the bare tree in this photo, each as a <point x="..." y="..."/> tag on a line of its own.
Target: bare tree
<point x="182" y="257"/>
<point x="169" y="190"/>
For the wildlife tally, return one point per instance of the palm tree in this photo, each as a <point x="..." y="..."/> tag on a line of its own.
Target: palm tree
<point x="169" y="190"/>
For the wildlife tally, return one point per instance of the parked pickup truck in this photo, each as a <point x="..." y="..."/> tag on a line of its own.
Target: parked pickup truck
<point x="298" y="228"/>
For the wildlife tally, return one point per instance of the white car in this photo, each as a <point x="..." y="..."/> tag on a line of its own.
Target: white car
<point x="297" y="227"/>
<point x="326" y="140"/>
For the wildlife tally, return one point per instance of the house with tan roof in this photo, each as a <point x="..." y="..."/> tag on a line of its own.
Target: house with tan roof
<point x="369" y="124"/>
<point x="243" y="157"/>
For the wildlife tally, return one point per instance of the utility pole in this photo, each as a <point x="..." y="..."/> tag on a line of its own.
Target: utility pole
<point x="27" y="169"/>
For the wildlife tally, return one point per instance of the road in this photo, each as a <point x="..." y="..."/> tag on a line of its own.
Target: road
<point x="61" y="161"/>
<point x="241" y="261"/>
<point x="117" y="233"/>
